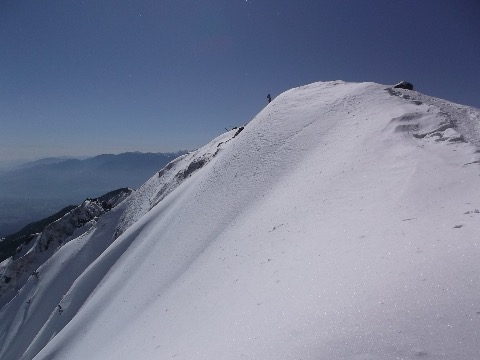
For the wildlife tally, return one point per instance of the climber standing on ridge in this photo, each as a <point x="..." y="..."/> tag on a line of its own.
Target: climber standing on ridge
<point x="35" y="273"/>
<point x="269" y="98"/>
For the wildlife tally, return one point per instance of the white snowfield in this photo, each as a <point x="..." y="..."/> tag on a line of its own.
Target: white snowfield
<point x="343" y="222"/>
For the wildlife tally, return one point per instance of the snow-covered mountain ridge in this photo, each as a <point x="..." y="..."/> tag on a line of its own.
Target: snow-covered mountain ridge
<point x="15" y="271"/>
<point x="341" y="223"/>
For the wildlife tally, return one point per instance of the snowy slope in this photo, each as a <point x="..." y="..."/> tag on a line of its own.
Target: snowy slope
<point x="169" y="178"/>
<point x="343" y="222"/>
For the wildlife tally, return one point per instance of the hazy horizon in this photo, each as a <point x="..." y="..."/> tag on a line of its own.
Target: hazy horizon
<point x="6" y="164"/>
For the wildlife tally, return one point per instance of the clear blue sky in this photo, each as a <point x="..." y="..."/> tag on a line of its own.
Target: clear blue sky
<point x="108" y="76"/>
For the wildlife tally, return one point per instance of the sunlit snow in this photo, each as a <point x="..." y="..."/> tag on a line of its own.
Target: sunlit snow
<point x="343" y="222"/>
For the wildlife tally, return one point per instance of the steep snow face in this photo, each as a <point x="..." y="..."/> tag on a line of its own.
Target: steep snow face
<point x="28" y="320"/>
<point x="168" y="179"/>
<point x="42" y="273"/>
<point x="341" y="223"/>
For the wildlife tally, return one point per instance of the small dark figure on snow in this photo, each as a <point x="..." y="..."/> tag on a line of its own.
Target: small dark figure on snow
<point x="269" y="98"/>
<point x="35" y="273"/>
<point x="60" y="310"/>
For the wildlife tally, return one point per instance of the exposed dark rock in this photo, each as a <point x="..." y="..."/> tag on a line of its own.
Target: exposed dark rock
<point x="404" y="85"/>
<point x="240" y="129"/>
<point x="193" y="166"/>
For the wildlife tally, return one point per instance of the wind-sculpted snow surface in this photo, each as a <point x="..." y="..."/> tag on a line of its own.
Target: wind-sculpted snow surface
<point x="341" y="223"/>
<point x="464" y="119"/>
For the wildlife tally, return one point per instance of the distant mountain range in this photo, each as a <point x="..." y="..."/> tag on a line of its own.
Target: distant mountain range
<point x="38" y="189"/>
